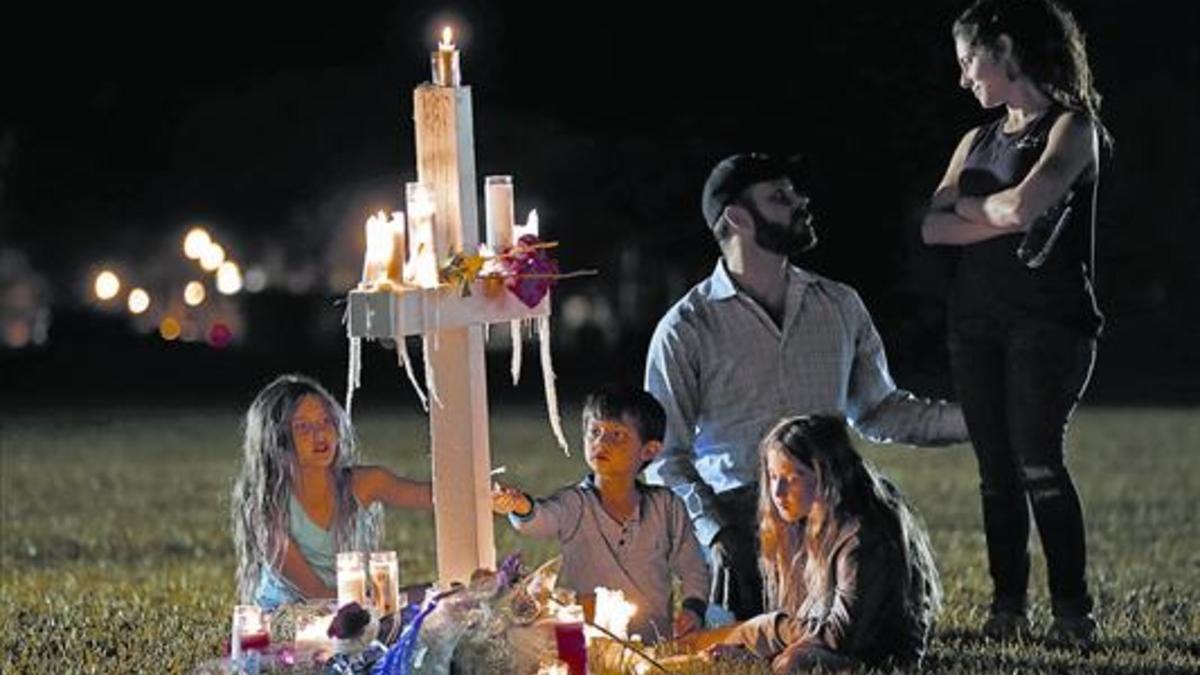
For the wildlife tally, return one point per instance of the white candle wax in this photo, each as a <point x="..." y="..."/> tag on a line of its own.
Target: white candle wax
<point x="530" y="226"/>
<point x="422" y="241"/>
<point x="351" y="579"/>
<point x="352" y="587"/>
<point x="379" y="253"/>
<point x="395" y="269"/>
<point x="498" y="202"/>
<point x="385" y="581"/>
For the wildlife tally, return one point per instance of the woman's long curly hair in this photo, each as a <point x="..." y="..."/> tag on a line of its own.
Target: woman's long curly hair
<point x="263" y="488"/>
<point x="849" y="491"/>
<point x="1047" y="45"/>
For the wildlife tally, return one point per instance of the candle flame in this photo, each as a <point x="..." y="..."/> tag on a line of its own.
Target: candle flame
<point x="613" y="611"/>
<point x="447" y="42"/>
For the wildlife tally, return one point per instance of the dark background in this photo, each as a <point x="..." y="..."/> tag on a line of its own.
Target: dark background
<point x="280" y="129"/>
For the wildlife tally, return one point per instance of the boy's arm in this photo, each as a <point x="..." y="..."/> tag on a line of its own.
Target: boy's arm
<point x="549" y="516"/>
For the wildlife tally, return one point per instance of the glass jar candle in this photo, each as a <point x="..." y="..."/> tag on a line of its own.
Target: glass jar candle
<point x="385" y="581"/>
<point x="351" y="579"/>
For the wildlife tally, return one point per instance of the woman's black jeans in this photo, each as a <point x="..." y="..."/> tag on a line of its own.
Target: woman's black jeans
<point x="1019" y="382"/>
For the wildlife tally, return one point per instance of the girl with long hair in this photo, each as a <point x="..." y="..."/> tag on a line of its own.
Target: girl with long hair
<point x="847" y="568"/>
<point x="300" y="496"/>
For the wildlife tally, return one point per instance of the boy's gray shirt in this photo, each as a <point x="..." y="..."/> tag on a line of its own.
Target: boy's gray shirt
<point x="636" y="557"/>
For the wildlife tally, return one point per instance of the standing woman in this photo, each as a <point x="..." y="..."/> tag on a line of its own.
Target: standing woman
<point x="1018" y="200"/>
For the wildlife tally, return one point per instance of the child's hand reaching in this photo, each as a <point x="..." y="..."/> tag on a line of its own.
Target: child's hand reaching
<point x="507" y="500"/>
<point x="686" y="622"/>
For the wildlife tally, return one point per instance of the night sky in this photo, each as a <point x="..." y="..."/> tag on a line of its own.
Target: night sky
<point x="282" y="129"/>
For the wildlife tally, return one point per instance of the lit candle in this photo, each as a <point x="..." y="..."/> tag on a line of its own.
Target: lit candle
<point x="530" y="226"/>
<point x="613" y="612"/>
<point x="351" y="579"/>
<point x="422" y="241"/>
<point x="312" y="633"/>
<point x="445" y="61"/>
<point x="395" y="269"/>
<point x="568" y="637"/>
<point x="498" y="203"/>
<point x="555" y="668"/>
<point x="380" y="249"/>
<point x="250" y="631"/>
<point x="385" y="581"/>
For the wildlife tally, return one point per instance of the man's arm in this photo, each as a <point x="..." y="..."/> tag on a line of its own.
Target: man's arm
<point x="880" y="411"/>
<point x="672" y="377"/>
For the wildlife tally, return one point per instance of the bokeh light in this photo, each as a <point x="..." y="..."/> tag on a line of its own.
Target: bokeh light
<point x="169" y="328"/>
<point x="139" y="300"/>
<point x="229" y="278"/>
<point x="193" y="293"/>
<point x="196" y="243"/>
<point x="256" y="280"/>
<point x="212" y="257"/>
<point x="219" y="336"/>
<point x="107" y="285"/>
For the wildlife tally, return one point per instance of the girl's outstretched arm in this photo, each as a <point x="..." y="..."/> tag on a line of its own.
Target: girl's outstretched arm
<point x="376" y="484"/>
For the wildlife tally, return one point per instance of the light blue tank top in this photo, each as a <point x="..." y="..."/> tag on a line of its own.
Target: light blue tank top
<point x="314" y="541"/>
<point x="315" y="544"/>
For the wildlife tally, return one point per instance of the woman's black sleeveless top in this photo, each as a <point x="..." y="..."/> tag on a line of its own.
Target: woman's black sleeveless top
<point x="991" y="282"/>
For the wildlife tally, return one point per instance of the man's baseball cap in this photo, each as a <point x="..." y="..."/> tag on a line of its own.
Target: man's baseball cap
<point x="736" y="173"/>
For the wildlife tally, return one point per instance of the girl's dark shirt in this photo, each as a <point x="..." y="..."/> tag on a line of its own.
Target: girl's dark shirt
<point x="991" y="282"/>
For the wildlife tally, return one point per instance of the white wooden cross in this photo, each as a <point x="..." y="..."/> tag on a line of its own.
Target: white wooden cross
<point x="454" y="324"/>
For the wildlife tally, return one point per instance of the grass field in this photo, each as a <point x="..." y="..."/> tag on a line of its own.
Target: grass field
<point x="115" y="553"/>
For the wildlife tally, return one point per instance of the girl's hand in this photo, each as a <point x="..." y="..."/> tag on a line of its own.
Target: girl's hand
<point x="686" y="622"/>
<point x="728" y="652"/>
<point x="506" y="500"/>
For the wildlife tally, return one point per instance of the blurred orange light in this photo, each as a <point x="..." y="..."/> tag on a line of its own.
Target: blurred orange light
<point x="169" y="328"/>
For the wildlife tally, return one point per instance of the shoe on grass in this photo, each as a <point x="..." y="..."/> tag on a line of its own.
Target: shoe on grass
<point x="1006" y="626"/>
<point x="1072" y="631"/>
